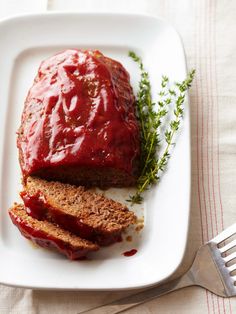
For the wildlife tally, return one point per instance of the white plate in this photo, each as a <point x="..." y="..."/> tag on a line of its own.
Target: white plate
<point x="25" y="41"/>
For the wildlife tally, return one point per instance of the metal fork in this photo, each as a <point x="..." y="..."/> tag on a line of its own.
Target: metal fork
<point x="212" y="269"/>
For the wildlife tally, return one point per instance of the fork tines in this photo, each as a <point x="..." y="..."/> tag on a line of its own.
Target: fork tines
<point x="224" y="235"/>
<point x="226" y="257"/>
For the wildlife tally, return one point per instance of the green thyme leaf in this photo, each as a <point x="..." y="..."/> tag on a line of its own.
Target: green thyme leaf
<point x="151" y="121"/>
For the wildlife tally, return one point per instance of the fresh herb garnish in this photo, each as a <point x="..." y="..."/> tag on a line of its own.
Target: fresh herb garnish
<point x="150" y="122"/>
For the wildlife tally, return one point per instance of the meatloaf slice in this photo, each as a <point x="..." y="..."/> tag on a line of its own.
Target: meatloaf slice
<point x="87" y="214"/>
<point x="78" y="124"/>
<point x="48" y="235"/>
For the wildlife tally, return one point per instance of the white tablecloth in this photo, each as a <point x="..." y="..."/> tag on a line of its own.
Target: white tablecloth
<point x="208" y="30"/>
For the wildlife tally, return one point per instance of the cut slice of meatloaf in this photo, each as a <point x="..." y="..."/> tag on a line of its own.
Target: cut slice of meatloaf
<point x="87" y="214"/>
<point x="48" y="235"/>
<point x="79" y="124"/>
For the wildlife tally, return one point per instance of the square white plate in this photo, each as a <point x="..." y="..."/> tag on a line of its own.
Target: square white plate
<point x="25" y="41"/>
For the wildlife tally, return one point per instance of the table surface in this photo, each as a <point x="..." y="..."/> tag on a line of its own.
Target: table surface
<point x="208" y="30"/>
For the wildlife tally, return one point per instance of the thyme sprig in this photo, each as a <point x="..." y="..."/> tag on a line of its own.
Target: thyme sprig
<point x="150" y="124"/>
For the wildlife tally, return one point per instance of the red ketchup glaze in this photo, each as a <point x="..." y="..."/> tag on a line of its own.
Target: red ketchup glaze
<point x="79" y="111"/>
<point x="130" y="253"/>
<point x="44" y="240"/>
<point x="34" y="205"/>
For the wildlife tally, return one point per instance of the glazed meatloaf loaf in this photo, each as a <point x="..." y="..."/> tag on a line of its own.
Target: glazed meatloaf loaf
<point x="87" y="214"/>
<point x="78" y="124"/>
<point x="48" y="235"/>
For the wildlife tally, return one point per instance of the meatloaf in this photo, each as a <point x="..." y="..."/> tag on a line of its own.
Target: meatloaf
<point x="87" y="214"/>
<point x="78" y="124"/>
<point x="48" y="235"/>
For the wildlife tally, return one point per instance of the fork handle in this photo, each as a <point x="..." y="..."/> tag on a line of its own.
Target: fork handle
<point x="123" y="304"/>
